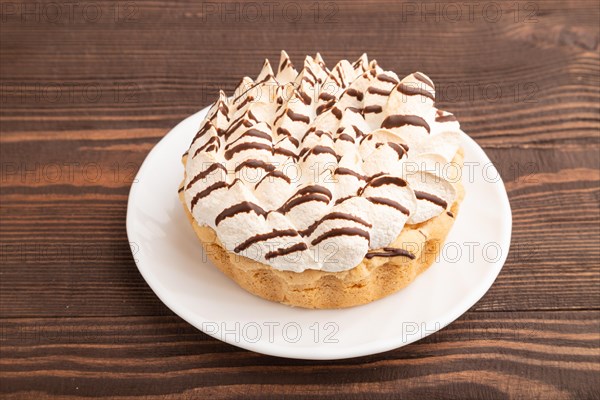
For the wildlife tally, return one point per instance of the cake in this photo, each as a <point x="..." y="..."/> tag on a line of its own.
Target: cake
<point x="324" y="188"/>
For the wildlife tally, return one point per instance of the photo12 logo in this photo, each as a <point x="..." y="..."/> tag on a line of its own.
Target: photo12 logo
<point x="68" y="92"/>
<point x="269" y="11"/>
<point x="453" y="12"/>
<point x="63" y="172"/>
<point x="318" y="332"/>
<point x="271" y="331"/>
<point x="68" y="12"/>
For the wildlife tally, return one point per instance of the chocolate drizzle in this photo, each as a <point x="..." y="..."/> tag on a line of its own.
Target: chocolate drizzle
<point x="387" y="180"/>
<point x="247" y="146"/>
<point x="285" y="152"/>
<point x="381" y="179"/>
<point x="380" y="92"/>
<point x="266" y="78"/>
<point x="414" y="91"/>
<point x="283" y="131"/>
<point x="396" y="121"/>
<point x="314" y="189"/>
<point x="243" y="207"/>
<point x="312" y="74"/>
<point x="307" y="79"/>
<point x="387" y="78"/>
<point x="372" y="109"/>
<point x="316" y="150"/>
<point x="253" y="133"/>
<point x="252" y="117"/>
<point x="320" y="133"/>
<point x="301" y="200"/>
<point x="305" y="98"/>
<point x="207" y="191"/>
<point x="308" y="132"/>
<point x="278" y="117"/>
<point x="274" y="174"/>
<point x="255" y="164"/>
<point x="202" y="131"/>
<point x="431" y="198"/>
<point x="390" y="252"/>
<point x="324" y="107"/>
<point x="306" y="194"/>
<point x="390" y="203"/>
<point x="444" y="118"/>
<point x="346" y="137"/>
<point x="283" y="64"/>
<point x="354" y="93"/>
<point x="357" y="131"/>
<point x="351" y="172"/>
<point x="342" y="199"/>
<point x="206" y="172"/>
<point x="246" y="101"/>
<point x="331" y="216"/>
<point x="327" y="97"/>
<point x="264" y="236"/>
<point x="298" y="117"/>
<point x="420" y="77"/>
<point x="285" y="251"/>
<point x="233" y="127"/>
<point x="337" y="112"/>
<point x="400" y="149"/>
<point x="342" y="232"/>
<point x="206" y="145"/>
<point x="223" y="109"/>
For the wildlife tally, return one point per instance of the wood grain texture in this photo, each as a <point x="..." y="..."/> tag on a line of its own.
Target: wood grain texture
<point x="85" y="96"/>
<point x="483" y="354"/>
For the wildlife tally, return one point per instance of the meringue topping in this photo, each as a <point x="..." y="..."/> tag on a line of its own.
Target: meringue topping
<point x="321" y="168"/>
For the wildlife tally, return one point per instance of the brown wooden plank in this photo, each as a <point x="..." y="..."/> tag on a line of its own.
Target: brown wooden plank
<point x="483" y="354"/>
<point x="82" y="97"/>
<point x="71" y="231"/>
<point x="477" y="63"/>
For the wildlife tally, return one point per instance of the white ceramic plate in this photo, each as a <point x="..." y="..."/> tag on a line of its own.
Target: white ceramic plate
<point x="171" y="260"/>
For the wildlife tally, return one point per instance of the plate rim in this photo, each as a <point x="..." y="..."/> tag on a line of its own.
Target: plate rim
<point x="331" y="353"/>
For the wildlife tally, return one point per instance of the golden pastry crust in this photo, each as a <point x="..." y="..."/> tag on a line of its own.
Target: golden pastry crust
<point x="373" y="279"/>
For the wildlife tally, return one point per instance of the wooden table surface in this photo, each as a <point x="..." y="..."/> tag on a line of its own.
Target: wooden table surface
<point x="89" y="87"/>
